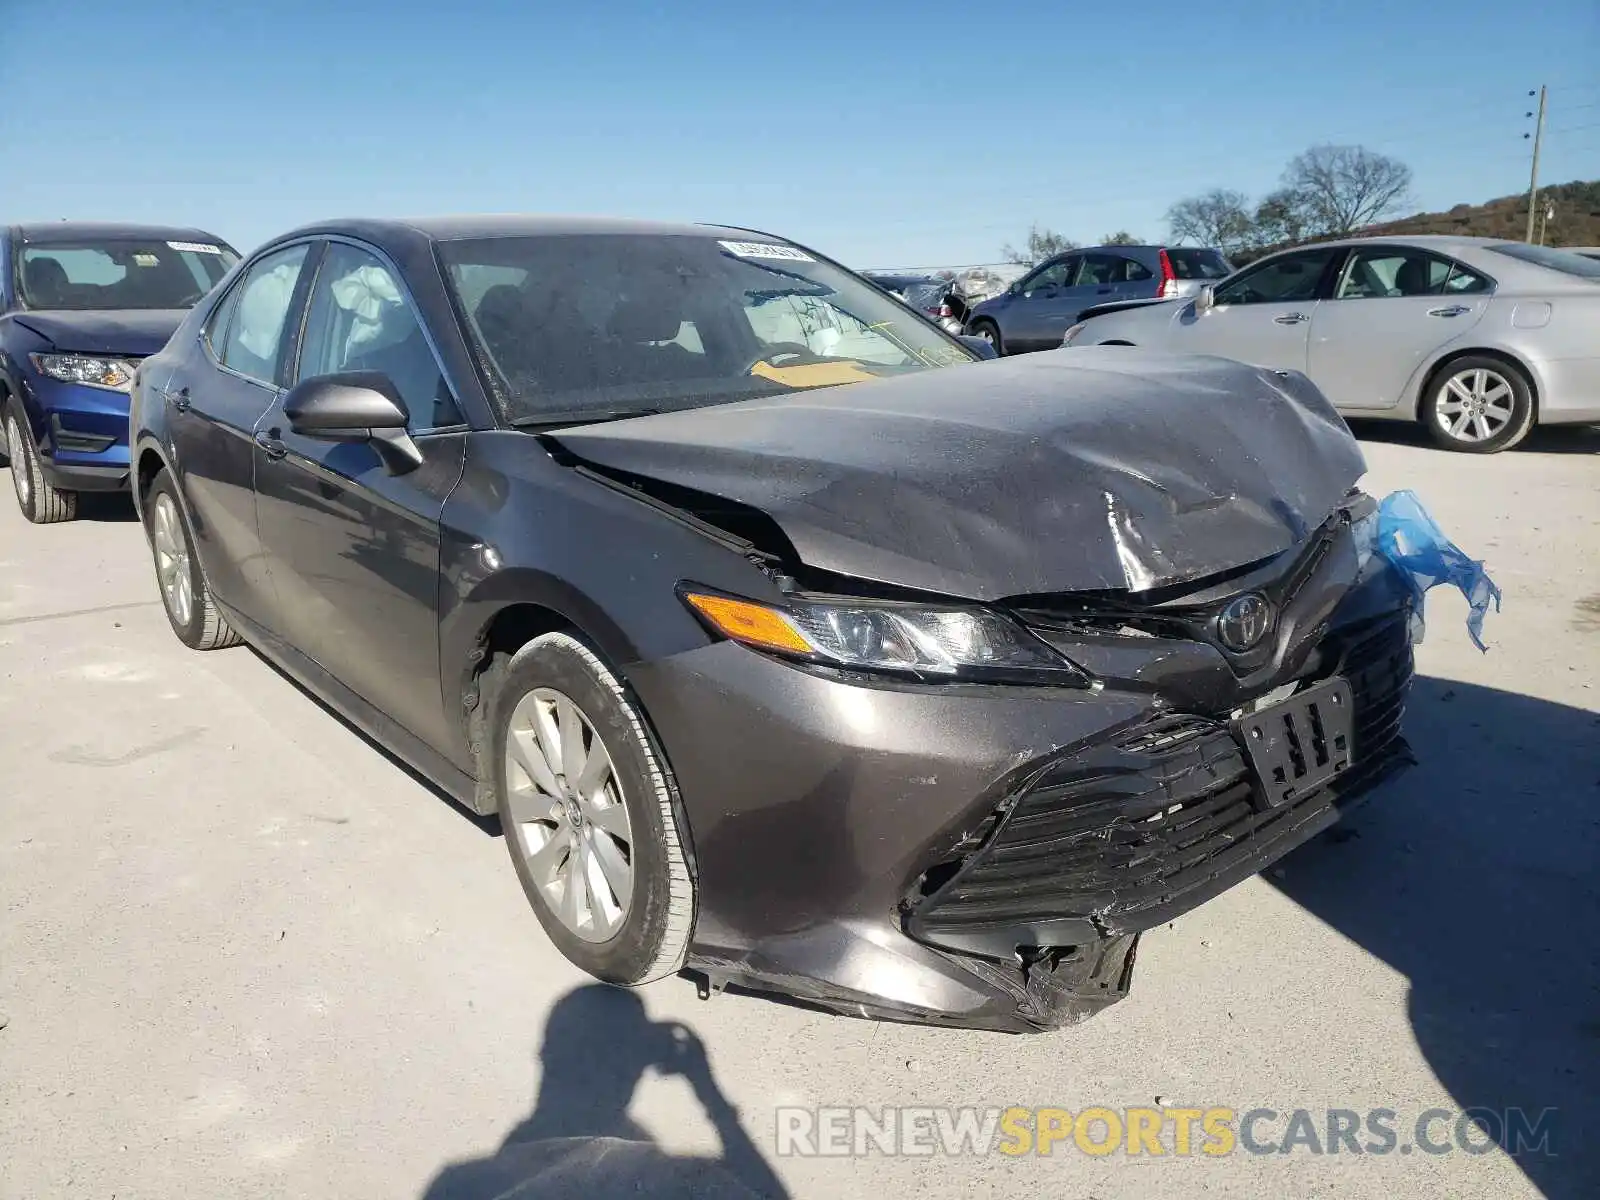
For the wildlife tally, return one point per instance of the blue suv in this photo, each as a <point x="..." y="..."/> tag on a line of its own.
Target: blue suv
<point x="81" y="306"/>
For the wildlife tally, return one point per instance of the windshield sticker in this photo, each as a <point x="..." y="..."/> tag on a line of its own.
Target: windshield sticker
<point x="146" y="260"/>
<point x="196" y="247"/>
<point x="766" y="250"/>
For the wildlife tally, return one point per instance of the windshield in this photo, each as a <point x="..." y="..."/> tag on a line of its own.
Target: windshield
<point x="613" y="324"/>
<point x="1565" y="261"/>
<point x="120" y="274"/>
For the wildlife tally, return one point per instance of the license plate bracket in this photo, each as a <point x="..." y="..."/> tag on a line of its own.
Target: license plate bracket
<point x="1299" y="744"/>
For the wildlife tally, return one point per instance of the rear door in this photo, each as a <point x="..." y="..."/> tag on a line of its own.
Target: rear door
<point x="353" y="547"/>
<point x="1392" y="307"/>
<point x="1263" y="314"/>
<point x="1107" y="277"/>
<point x="214" y="399"/>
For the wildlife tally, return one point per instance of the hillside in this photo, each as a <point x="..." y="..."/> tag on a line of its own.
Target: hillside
<point x="1576" y="221"/>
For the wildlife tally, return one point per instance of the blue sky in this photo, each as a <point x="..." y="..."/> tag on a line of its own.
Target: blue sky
<point x="883" y="132"/>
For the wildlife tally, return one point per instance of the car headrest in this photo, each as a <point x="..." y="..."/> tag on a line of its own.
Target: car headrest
<point x="1412" y="277"/>
<point x="637" y="319"/>
<point x="46" y="279"/>
<point x="500" y="307"/>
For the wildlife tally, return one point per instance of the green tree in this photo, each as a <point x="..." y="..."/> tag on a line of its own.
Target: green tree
<point x="1121" y="238"/>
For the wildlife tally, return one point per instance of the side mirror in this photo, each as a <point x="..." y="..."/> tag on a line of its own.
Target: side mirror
<point x="1206" y="300"/>
<point x="979" y="346"/>
<point x="354" y="406"/>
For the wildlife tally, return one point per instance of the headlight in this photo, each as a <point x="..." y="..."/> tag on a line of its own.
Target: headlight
<point x="1074" y="331"/>
<point x="945" y="643"/>
<point x="113" y="374"/>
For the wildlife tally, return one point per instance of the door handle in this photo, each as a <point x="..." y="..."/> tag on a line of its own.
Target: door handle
<point x="1103" y="291"/>
<point x="1455" y="310"/>
<point x="272" y="447"/>
<point x="1291" y="318"/>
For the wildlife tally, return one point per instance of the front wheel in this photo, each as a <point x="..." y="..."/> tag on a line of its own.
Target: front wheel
<point x="989" y="332"/>
<point x="40" y="500"/>
<point x="586" y="805"/>
<point x="1479" y="406"/>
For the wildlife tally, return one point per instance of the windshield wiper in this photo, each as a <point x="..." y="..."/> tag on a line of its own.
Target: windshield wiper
<point x="579" y="416"/>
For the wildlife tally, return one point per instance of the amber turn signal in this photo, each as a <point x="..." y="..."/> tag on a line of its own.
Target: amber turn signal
<point x="753" y="624"/>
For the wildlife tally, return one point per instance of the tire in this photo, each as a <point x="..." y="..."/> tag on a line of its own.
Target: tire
<point x="185" y="596"/>
<point x="1488" y="400"/>
<point x="557" y="838"/>
<point x="40" y="501"/>
<point x="989" y="332"/>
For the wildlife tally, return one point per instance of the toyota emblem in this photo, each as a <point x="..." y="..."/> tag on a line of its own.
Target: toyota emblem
<point x="1244" y="621"/>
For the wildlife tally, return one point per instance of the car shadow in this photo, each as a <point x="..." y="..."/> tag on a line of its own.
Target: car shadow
<point x="579" y="1139"/>
<point x="109" y="508"/>
<point x="489" y="824"/>
<point x="1544" y="439"/>
<point x="1477" y="876"/>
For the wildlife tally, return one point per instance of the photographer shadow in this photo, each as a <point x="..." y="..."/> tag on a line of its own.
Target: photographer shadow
<point x="1477" y="876"/>
<point x="580" y="1140"/>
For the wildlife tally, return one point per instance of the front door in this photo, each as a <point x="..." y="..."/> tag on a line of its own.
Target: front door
<point x="1263" y="315"/>
<point x="1392" y="308"/>
<point x="1041" y="304"/>
<point x="214" y="400"/>
<point x="354" y="547"/>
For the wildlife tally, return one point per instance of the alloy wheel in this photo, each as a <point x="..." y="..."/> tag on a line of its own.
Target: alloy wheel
<point x="1475" y="405"/>
<point x="172" y="560"/>
<point x="20" y="477"/>
<point x="569" y="820"/>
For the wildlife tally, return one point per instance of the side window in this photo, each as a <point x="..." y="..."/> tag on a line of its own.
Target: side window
<point x="1056" y="275"/>
<point x="1288" y="279"/>
<point x="360" y="320"/>
<point x="1133" y="271"/>
<point x="253" y="338"/>
<point x="1102" y="269"/>
<point x="1461" y="281"/>
<point x="1393" y="271"/>
<point x="217" y="322"/>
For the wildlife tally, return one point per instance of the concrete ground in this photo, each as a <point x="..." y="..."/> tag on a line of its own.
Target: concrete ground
<point x="244" y="954"/>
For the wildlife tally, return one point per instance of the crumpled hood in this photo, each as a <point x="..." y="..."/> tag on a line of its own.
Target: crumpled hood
<point x="135" y="332"/>
<point x="1103" y="468"/>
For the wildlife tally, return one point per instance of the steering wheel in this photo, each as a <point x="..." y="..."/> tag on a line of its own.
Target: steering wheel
<point x="786" y="350"/>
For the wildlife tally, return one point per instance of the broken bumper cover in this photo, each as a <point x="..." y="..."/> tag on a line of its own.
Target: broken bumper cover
<point x="976" y="855"/>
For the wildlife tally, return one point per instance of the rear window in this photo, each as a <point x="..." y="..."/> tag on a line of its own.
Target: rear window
<point x="1198" y="264"/>
<point x="1564" y="261"/>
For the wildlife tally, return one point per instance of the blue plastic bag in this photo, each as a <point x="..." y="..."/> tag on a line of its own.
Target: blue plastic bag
<point x="1411" y="542"/>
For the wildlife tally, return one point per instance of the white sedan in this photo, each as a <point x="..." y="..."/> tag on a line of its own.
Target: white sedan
<point x="1477" y="338"/>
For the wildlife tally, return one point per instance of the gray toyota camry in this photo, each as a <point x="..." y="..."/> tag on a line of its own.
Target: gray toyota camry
<point x="796" y="646"/>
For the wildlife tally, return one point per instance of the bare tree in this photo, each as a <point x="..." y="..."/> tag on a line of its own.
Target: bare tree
<point x="1283" y="216"/>
<point x="1121" y="238"/>
<point x="1041" y="244"/>
<point x="1219" y="218"/>
<point x="1346" y="187"/>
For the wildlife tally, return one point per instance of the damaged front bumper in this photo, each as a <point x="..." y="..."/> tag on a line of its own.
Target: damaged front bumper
<point x="985" y="855"/>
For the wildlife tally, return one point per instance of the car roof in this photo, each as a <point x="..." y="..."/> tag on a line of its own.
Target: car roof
<point x="458" y="228"/>
<point x="43" y="233"/>
<point x="1436" y="241"/>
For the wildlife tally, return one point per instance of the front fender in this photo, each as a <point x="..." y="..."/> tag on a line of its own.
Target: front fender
<point x="523" y="529"/>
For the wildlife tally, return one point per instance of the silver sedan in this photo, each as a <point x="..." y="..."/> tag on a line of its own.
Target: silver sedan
<point x="1479" y="339"/>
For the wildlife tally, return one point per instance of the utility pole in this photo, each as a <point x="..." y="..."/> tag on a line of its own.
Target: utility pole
<point x="1533" y="178"/>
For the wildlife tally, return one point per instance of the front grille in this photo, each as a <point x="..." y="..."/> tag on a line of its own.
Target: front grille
<point x="1123" y="835"/>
